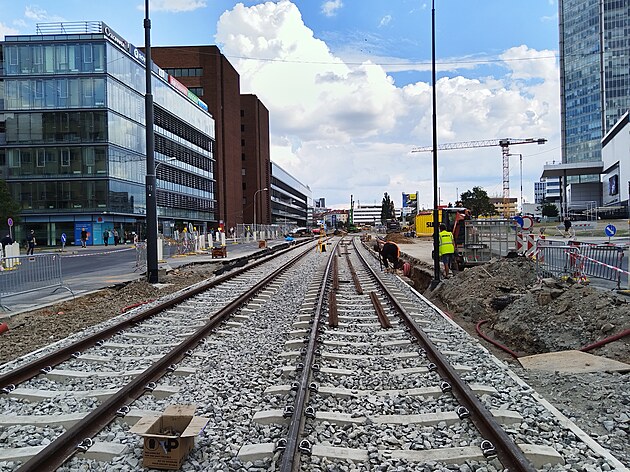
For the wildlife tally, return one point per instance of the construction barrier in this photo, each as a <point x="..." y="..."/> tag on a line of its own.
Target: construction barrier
<point x="485" y="240"/>
<point x="30" y="273"/>
<point x="580" y="261"/>
<point x="556" y="261"/>
<point x="602" y="261"/>
<point x="525" y="243"/>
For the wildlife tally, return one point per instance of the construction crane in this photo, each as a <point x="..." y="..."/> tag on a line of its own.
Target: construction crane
<point x="505" y="144"/>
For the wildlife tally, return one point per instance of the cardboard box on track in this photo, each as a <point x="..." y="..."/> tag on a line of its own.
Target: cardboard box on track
<point x="170" y="437"/>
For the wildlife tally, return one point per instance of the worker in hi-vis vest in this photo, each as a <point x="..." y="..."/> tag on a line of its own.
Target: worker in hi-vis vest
<point x="447" y="248"/>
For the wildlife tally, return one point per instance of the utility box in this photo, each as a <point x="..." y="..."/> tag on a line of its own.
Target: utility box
<point x="170" y="437"/>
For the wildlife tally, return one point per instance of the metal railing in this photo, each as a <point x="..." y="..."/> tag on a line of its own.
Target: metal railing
<point x="602" y="261"/>
<point x="556" y="261"/>
<point x="141" y="256"/>
<point x="24" y="274"/>
<point x="579" y="260"/>
<point x="487" y="239"/>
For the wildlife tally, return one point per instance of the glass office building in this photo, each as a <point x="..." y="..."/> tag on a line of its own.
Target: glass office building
<point x="594" y="73"/>
<point x="291" y="200"/>
<point x="72" y="136"/>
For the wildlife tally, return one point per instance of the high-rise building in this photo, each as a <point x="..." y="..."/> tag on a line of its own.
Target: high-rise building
<point x="72" y="136"/>
<point x="594" y="74"/>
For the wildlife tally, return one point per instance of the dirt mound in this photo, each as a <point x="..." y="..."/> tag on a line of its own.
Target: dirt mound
<point x="531" y="316"/>
<point x="398" y="238"/>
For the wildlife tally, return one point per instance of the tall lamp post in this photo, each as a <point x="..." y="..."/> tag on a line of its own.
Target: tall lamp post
<point x="152" y="259"/>
<point x="436" y="223"/>
<point x="521" y="176"/>
<point x="255" y="207"/>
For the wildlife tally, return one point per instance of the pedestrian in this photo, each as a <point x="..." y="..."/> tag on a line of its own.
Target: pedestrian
<point x="447" y="249"/>
<point x="6" y="241"/>
<point x="116" y="238"/>
<point x="84" y="237"/>
<point x="390" y="252"/>
<point x="567" y="227"/>
<point x="106" y="237"/>
<point x="31" y="242"/>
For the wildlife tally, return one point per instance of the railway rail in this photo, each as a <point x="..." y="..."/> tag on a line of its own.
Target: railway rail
<point x="309" y="361"/>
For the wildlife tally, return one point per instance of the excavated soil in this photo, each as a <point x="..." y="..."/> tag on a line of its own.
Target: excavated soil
<point x="532" y="317"/>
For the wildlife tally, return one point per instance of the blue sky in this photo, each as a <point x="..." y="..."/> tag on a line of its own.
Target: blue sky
<point x="347" y="82"/>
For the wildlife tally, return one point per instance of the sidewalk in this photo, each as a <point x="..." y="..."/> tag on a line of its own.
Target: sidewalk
<point x="124" y="273"/>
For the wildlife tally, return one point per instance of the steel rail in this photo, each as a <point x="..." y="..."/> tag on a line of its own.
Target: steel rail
<point x="290" y="461"/>
<point x="355" y="277"/>
<point x="380" y="312"/>
<point x="507" y="451"/>
<point x="62" y="448"/>
<point x="34" y="368"/>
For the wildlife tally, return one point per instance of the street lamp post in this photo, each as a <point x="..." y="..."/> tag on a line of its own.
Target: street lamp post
<point x="151" y="198"/>
<point x="520" y="156"/>
<point x="436" y="235"/>
<point x="255" y="207"/>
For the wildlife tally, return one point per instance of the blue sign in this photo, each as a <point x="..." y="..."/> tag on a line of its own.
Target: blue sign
<point x="10" y="221"/>
<point x="519" y="220"/>
<point x="63" y="238"/>
<point x="610" y="230"/>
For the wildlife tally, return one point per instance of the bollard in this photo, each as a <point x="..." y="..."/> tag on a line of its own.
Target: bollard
<point x="3" y="327"/>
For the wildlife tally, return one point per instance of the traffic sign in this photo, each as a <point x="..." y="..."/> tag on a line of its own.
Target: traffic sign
<point x="519" y="220"/>
<point x="528" y="222"/>
<point x="10" y="222"/>
<point x="610" y="230"/>
<point x="64" y="238"/>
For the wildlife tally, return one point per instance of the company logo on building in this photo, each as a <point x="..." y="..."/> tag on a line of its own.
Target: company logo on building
<point x="115" y="38"/>
<point x="137" y="54"/>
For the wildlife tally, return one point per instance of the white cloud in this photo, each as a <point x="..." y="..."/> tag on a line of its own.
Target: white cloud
<point x="35" y="13"/>
<point x="4" y="30"/>
<point x="330" y="7"/>
<point x="174" y="6"/>
<point x="344" y="129"/>
<point x="385" y="21"/>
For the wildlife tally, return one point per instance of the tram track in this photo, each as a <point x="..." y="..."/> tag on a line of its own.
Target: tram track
<point x="286" y="386"/>
<point x="163" y="357"/>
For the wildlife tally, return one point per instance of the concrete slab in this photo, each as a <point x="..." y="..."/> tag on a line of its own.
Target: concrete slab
<point x="574" y="362"/>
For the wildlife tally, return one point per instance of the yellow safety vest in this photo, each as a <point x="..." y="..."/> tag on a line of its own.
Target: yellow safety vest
<point x="447" y="246"/>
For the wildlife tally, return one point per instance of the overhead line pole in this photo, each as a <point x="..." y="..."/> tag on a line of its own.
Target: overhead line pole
<point x="436" y="241"/>
<point x="151" y="197"/>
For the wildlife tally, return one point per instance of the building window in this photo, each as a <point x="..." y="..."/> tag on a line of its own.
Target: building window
<point x="197" y="91"/>
<point x="242" y="113"/>
<point x="41" y="158"/>
<point x="242" y="142"/>
<point x="242" y="171"/>
<point x="242" y="128"/>
<point x="242" y="156"/>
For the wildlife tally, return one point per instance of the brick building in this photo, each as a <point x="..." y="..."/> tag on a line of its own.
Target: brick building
<point x="208" y="74"/>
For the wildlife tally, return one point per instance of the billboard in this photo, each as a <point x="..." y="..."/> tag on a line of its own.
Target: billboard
<point x="409" y="203"/>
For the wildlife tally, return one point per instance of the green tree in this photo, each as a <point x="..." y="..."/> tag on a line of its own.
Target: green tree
<point x="549" y="209"/>
<point x="478" y="202"/>
<point x="9" y="208"/>
<point x="387" y="209"/>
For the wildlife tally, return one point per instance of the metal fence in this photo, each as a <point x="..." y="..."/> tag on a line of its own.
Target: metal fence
<point x="141" y="256"/>
<point x="556" y="261"/>
<point x="24" y="274"/>
<point x="579" y="260"/>
<point x="602" y="261"/>
<point x="487" y="239"/>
